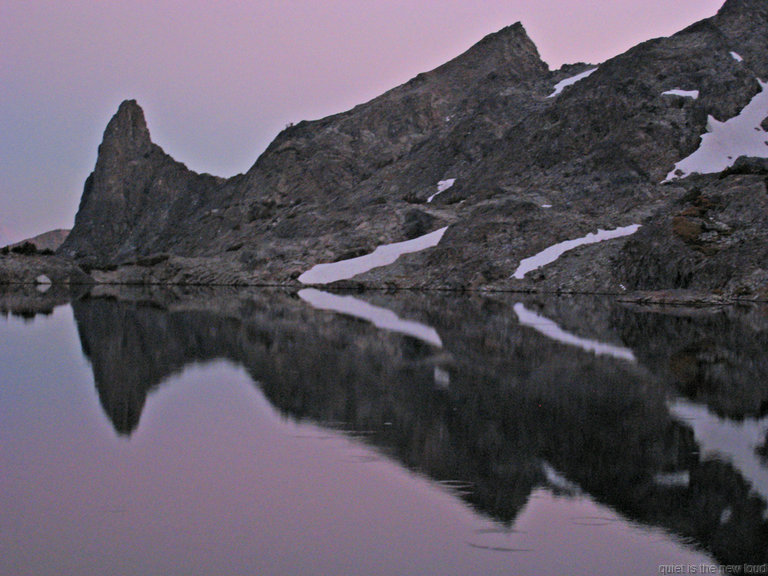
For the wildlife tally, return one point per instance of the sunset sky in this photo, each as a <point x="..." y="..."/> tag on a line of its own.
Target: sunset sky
<point x="218" y="81"/>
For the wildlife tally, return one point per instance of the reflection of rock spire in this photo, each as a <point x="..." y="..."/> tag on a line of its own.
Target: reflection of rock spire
<point x="120" y="371"/>
<point x="132" y="349"/>
<point x="123" y="406"/>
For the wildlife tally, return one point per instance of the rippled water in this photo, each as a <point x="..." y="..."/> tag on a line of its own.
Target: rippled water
<point x="259" y="432"/>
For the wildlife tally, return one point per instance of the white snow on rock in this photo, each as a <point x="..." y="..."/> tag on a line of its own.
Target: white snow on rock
<point x="736" y="57"/>
<point x="724" y="142"/>
<point x="551" y="330"/>
<point x="684" y="93"/>
<point x="442" y="378"/>
<point x="560" y="86"/>
<point x="378" y="316"/>
<point x="673" y="479"/>
<point x="43" y="283"/>
<point x="557" y="480"/>
<point x="546" y="205"/>
<point x="382" y="256"/>
<point x="727" y="440"/>
<point x="442" y="186"/>
<point x="552" y="253"/>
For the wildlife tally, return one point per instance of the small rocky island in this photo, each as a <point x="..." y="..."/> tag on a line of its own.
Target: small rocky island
<point x="643" y="176"/>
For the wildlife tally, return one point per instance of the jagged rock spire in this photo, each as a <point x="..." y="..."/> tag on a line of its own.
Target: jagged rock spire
<point x="127" y="132"/>
<point x="113" y="195"/>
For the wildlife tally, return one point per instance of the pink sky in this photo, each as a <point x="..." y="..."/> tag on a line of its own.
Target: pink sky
<point x="219" y="80"/>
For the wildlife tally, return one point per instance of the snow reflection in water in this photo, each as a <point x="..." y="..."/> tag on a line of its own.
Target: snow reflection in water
<point x="378" y="316"/>
<point x="551" y="330"/>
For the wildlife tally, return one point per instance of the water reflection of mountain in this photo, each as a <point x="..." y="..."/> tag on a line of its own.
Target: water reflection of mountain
<point x="27" y="301"/>
<point x="500" y="406"/>
<point x="716" y="357"/>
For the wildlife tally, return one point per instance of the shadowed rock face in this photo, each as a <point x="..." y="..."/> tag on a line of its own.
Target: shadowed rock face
<point x="132" y="194"/>
<point x="742" y="22"/>
<point x="711" y="238"/>
<point x="342" y="185"/>
<point x="490" y="407"/>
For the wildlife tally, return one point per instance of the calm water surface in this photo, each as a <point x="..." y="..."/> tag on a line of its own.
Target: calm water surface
<point x="270" y="433"/>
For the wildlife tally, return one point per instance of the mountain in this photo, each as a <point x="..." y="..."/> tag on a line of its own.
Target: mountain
<point x="511" y="157"/>
<point x="50" y="240"/>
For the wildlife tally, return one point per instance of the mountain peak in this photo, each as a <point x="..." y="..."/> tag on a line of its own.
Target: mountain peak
<point x="508" y="49"/>
<point x="127" y="130"/>
<point x="510" y="43"/>
<point x="732" y="6"/>
<point x="516" y="29"/>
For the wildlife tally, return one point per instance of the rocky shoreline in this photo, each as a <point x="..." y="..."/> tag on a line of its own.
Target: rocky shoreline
<point x="31" y="283"/>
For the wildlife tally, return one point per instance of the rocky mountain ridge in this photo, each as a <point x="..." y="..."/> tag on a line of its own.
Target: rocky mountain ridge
<point x="527" y="170"/>
<point x="50" y="240"/>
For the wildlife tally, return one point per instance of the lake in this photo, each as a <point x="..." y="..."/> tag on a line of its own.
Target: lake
<point x="222" y="431"/>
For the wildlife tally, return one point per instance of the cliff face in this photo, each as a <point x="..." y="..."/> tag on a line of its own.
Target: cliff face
<point x="134" y="193"/>
<point x="530" y="168"/>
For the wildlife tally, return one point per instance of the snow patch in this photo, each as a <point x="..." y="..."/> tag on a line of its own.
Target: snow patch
<point x="442" y="378"/>
<point x="43" y="283"/>
<point x="378" y="316"/>
<point x="442" y="186"/>
<point x="726" y="515"/>
<point x="684" y="93"/>
<point x="560" y="86"/>
<point x="546" y="205"/>
<point x="673" y="478"/>
<point x="724" y="142"/>
<point x="727" y="440"/>
<point x="736" y="57"/>
<point x="552" y="253"/>
<point x="551" y="330"/>
<point x="382" y="256"/>
<point x="557" y="480"/>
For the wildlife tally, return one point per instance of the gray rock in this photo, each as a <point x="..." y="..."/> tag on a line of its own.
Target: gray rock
<point x="35" y="269"/>
<point x="340" y="186"/>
